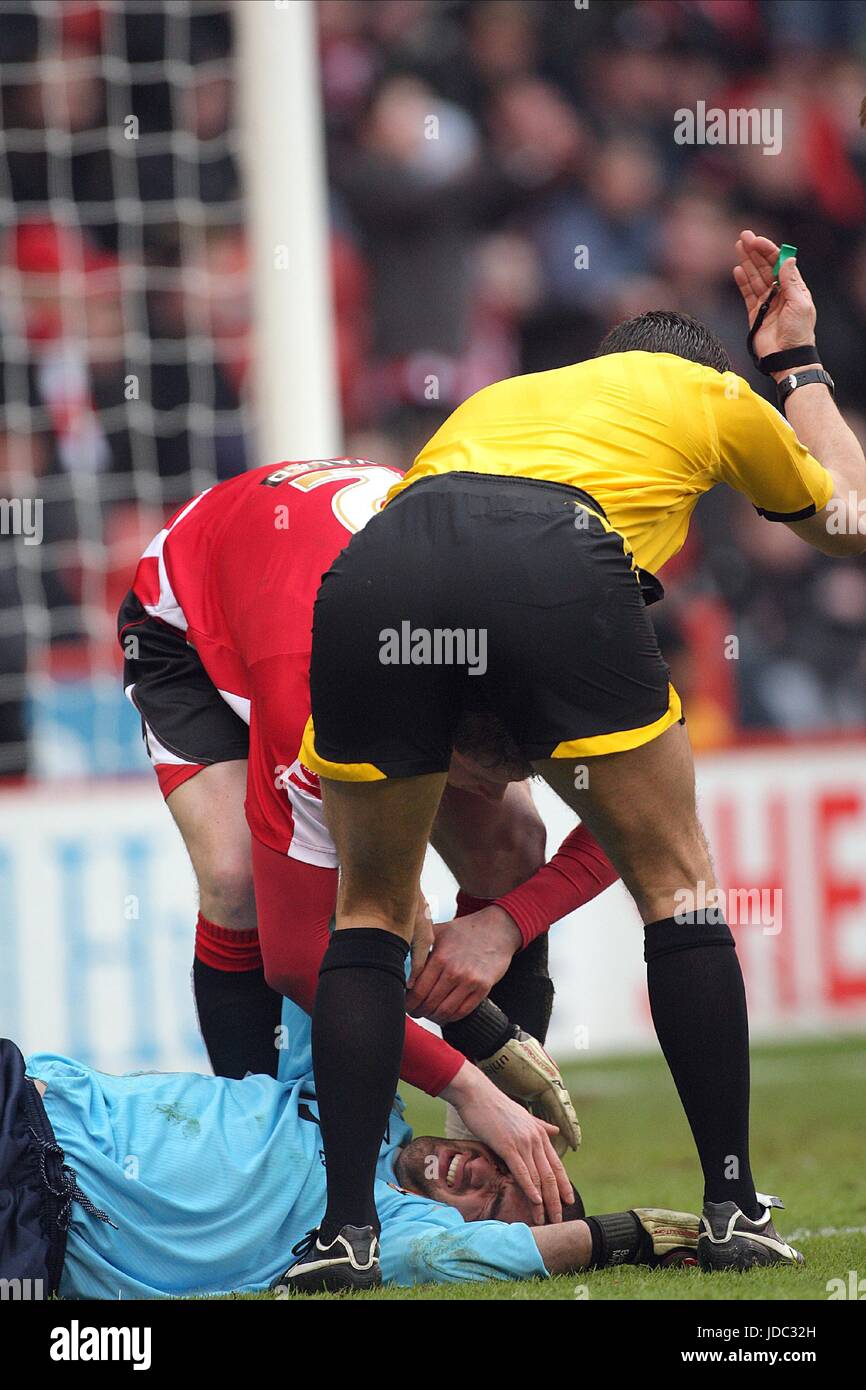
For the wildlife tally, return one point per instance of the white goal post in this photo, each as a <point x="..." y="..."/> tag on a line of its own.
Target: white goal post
<point x="297" y="410"/>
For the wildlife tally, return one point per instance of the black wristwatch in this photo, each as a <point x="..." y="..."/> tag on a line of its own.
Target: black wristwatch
<point x="789" y="383"/>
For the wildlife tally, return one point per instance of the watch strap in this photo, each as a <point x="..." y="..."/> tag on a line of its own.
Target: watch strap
<point x="789" y="384"/>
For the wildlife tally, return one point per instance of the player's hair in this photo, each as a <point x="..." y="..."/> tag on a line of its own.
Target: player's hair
<point x="664" y="330"/>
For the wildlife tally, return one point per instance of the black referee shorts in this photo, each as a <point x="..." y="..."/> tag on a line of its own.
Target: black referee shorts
<point x="471" y="591"/>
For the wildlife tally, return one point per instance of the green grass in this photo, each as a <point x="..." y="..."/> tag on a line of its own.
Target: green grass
<point x="809" y="1139"/>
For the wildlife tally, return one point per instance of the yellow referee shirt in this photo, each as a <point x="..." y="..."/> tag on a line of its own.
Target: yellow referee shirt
<point x="644" y="433"/>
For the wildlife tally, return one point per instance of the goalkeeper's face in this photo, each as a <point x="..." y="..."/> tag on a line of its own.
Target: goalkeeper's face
<point x="465" y="1174"/>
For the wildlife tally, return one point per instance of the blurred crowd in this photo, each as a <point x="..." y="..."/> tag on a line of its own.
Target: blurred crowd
<point x="505" y="183"/>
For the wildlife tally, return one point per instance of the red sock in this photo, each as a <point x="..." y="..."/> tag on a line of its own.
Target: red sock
<point x="238" y="1013"/>
<point x="224" y="949"/>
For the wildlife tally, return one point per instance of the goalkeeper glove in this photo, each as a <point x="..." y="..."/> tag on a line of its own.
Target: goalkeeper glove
<point x="523" y="1070"/>
<point x="671" y="1236"/>
<point x="644" y="1236"/>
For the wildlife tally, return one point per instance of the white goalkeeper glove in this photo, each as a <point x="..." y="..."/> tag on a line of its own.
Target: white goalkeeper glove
<point x="522" y="1070"/>
<point x="673" y="1234"/>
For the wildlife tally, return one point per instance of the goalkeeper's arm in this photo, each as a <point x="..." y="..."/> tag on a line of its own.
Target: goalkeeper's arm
<point x="645" y="1235"/>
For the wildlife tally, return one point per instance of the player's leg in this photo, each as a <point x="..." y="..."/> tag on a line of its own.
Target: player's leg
<point x="238" y="1012"/>
<point x="586" y="681"/>
<point x="198" y="747"/>
<point x="643" y="802"/>
<point x="641" y="806"/>
<point x="295" y="903"/>
<point x="379" y="807"/>
<point x="209" y="813"/>
<point x="381" y="831"/>
<point x="381" y="743"/>
<point x="295" y="859"/>
<point x="491" y="843"/>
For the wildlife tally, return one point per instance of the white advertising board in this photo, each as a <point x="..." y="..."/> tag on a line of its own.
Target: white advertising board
<point x="97" y="913"/>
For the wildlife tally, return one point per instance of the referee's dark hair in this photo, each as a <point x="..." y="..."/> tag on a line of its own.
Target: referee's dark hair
<point x="664" y="330"/>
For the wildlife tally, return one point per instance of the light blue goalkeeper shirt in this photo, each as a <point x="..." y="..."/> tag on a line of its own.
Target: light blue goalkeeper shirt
<point x="211" y="1182"/>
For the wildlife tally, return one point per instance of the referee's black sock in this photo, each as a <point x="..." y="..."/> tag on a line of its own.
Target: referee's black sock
<point x="698" y="1005"/>
<point x="359" y="1022"/>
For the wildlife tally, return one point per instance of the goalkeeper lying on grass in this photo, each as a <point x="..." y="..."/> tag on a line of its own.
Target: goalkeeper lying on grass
<point x="181" y="1184"/>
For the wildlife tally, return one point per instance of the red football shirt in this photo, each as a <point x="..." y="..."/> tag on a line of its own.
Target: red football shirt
<point x="237" y="569"/>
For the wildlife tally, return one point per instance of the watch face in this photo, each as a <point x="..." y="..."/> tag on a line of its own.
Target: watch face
<point x="792" y="380"/>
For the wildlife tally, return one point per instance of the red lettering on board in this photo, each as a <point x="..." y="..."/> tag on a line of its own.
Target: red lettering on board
<point x="838" y="893"/>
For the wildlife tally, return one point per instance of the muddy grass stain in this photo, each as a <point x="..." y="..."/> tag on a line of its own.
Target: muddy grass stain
<point x="177" y="1116"/>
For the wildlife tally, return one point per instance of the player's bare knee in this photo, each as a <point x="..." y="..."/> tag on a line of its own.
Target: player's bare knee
<point x="226" y="896"/>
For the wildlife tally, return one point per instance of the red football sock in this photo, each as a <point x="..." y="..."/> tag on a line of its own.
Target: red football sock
<point x="224" y="949"/>
<point x="238" y="1013"/>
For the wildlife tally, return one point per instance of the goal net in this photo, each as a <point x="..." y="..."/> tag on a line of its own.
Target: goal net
<point x="124" y="338"/>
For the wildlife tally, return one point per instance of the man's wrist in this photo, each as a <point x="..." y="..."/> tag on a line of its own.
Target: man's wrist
<point x="463" y="1085"/>
<point x="795" y="371"/>
<point x="502" y="926"/>
<point x="797" y="381"/>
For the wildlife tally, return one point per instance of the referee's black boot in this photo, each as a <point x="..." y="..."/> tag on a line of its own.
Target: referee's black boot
<point x="729" y="1240"/>
<point x="350" y="1261"/>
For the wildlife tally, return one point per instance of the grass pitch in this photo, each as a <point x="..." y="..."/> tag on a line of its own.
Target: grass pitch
<point x="809" y="1139"/>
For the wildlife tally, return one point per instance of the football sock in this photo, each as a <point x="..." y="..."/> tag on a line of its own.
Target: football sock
<point x="698" y="1005"/>
<point x="359" y="1022"/>
<point x="238" y="1012"/>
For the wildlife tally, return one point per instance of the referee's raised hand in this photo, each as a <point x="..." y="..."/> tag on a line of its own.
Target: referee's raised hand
<point x="790" y="321"/>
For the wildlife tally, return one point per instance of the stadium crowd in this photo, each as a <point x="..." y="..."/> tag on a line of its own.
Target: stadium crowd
<point x="505" y="184"/>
